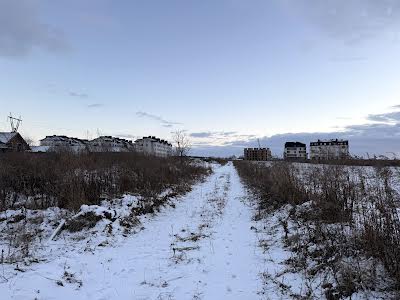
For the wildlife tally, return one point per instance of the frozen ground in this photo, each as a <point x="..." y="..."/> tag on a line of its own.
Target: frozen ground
<point x="203" y="248"/>
<point x="204" y="245"/>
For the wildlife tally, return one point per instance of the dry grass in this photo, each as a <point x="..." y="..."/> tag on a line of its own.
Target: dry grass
<point x="39" y="181"/>
<point x="339" y="212"/>
<point x="35" y="182"/>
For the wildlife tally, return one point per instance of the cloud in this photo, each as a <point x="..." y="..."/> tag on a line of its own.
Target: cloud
<point x="366" y="139"/>
<point x="213" y="134"/>
<point x="216" y="151"/>
<point x="386" y="118"/>
<point x="95" y="105"/>
<point x="351" y="21"/>
<point x="164" y="123"/>
<point x="22" y="31"/>
<point x="348" y="59"/>
<point x="227" y="133"/>
<point x="201" y="134"/>
<point x="127" y="136"/>
<point x="78" y="95"/>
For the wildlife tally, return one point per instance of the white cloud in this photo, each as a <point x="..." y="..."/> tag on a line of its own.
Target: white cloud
<point x="164" y="123"/>
<point x="22" y="30"/>
<point x="351" y="21"/>
<point x="372" y="138"/>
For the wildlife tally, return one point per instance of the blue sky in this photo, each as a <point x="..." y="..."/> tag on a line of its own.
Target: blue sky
<point x="228" y="72"/>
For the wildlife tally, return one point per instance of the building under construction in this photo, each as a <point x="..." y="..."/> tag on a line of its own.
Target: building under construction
<point x="259" y="154"/>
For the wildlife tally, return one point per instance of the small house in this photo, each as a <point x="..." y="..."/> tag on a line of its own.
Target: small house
<point x="12" y="142"/>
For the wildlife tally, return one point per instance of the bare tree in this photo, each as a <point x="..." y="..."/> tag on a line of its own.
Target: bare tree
<point x="182" y="143"/>
<point x="29" y="141"/>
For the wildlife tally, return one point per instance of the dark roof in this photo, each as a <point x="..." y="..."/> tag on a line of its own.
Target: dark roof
<point x="155" y="139"/>
<point x="63" y="138"/>
<point x="256" y="149"/>
<point x="330" y="142"/>
<point x="294" y="144"/>
<point x="5" y="137"/>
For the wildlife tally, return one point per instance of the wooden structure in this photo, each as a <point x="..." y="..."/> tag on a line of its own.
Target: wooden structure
<point x="12" y="142"/>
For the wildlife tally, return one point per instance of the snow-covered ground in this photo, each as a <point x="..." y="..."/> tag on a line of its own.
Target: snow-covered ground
<point x="306" y="259"/>
<point x="203" y="248"/>
<point x="204" y="245"/>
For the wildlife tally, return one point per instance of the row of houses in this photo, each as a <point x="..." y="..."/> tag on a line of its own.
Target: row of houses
<point x="319" y="150"/>
<point x="149" y="145"/>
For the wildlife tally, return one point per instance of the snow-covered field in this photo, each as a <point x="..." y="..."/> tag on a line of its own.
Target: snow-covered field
<point x="312" y="256"/>
<point x="204" y="245"/>
<point x="203" y="248"/>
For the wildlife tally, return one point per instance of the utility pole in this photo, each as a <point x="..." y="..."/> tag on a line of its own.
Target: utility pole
<point x="14" y="122"/>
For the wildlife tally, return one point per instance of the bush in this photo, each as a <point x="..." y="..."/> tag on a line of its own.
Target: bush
<point x="277" y="184"/>
<point x="68" y="181"/>
<point x="361" y="203"/>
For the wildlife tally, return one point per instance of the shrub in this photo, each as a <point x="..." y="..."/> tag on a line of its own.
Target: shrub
<point x="68" y="181"/>
<point x="361" y="202"/>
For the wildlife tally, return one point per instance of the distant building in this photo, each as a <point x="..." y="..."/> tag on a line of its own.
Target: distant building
<point x="151" y="145"/>
<point x="110" y="144"/>
<point x="148" y="145"/>
<point x="63" y="143"/>
<point x="12" y="142"/>
<point x="329" y="149"/>
<point x="295" y="150"/>
<point x="40" y="149"/>
<point x="260" y="154"/>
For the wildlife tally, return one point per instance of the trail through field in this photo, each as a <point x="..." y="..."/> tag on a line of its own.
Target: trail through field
<point x="204" y="248"/>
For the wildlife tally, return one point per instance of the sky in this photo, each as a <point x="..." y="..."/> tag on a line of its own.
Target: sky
<point x="227" y="72"/>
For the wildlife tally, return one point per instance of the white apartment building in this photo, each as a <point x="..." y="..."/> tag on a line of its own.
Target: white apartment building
<point x="154" y="146"/>
<point x="63" y="143"/>
<point x="111" y="144"/>
<point x="295" y="150"/>
<point x="329" y="149"/>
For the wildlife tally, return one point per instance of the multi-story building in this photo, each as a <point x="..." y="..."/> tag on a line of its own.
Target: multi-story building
<point x="111" y="144"/>
<point x="260" y="154"/>
<point x="148" y="145"/>
<point x="151" y="145"/>
<point x="63" y="143"/>
<point x="295" y="150"/>
<point x="329" y="149"/>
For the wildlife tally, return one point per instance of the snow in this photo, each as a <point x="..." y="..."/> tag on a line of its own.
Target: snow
<point x="203" y="248"/>
<point x="204" y="245"/>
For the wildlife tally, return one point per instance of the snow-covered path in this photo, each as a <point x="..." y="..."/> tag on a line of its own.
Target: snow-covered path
<point x="204" y="248"/>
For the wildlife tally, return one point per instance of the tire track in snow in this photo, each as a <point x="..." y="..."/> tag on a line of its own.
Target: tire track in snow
<point x="220" y="260"/>
<point x="227" y="257"/>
